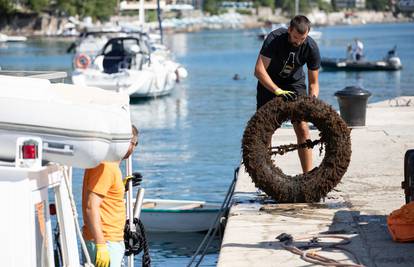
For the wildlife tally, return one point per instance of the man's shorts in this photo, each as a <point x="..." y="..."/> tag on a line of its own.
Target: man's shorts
<point x="116" y="252"/>
<point x="263" y="95"/>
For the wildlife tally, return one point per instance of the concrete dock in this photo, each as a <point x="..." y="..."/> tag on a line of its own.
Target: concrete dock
<point x="357" y="208"/>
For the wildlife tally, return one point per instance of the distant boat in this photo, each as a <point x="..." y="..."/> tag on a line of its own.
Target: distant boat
<point x="7" y="38"/>
<point x="390" y="63"/>
<point x="127" y="64"/>
<point x="166" y="215"/>
<point x="406" y="5"/>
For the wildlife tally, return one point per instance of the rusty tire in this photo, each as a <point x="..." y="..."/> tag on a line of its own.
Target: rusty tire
<point x="309" y="187"/>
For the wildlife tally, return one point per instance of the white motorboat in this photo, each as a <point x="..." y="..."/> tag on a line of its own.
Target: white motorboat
<point x="166" y="215"/>
<point x="8" y="38"/>
<point x="126" y="64"/>
<point x="79" y="126"/>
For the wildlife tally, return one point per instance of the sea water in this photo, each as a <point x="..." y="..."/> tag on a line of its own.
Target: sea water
<point x="190" y="141"/>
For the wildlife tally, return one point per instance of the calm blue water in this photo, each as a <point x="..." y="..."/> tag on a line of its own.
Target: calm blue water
<point x="190" y="140"/>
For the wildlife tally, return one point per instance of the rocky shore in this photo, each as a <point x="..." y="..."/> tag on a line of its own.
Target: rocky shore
<point x="45" y="25"/>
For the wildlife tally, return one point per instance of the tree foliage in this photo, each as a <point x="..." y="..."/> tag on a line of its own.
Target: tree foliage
<point x="378" y="5"/>
<point x="97" y="9"/>
<point x="289" y="6"/>
<point x="38" y="5"/>
<point x="210" y="6"/>
<point x="267" y="3"/>
<point x="6" y="7"/>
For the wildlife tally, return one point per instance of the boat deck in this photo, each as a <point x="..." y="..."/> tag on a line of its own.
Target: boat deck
<point x="356" y="209"/>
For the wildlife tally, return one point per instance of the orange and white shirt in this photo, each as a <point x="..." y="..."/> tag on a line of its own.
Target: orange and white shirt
<point x="106" y="180"/>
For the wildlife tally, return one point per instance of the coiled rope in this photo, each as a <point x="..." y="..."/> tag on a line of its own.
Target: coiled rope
<point x="136" y="242"/>
<point x="308" y="252"/>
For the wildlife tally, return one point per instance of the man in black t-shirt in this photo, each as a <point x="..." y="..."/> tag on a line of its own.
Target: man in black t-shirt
<point x="280" y="73"/>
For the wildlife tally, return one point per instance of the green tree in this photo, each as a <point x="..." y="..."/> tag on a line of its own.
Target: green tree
<point x="38" y="5"/>
<point x="268" y="3"/>
<point x="325" y="6"/>
<point x="6" y="7"/>
<point x="210" y="6"/>
<point x="378" y="5"/>
<point x="104" y="9"/>
<point x="67" y="7"/>
<point x="289" y="6"/>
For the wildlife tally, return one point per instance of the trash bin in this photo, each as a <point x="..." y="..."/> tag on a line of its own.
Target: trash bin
<point x="353" y="104"/>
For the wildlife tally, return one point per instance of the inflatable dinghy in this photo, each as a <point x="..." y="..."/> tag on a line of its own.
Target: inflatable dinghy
<point x="79" y="126"/>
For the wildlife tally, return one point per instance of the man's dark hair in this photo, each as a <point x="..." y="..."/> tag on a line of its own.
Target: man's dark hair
<point x="301" y="24"/>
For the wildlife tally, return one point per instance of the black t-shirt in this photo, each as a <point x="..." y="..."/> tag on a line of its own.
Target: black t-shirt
<point x="286" y="63"/>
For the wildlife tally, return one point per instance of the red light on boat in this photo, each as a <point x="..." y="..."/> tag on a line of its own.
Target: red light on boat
<point x="52" y="209"/>
<point x="29" y="151"/>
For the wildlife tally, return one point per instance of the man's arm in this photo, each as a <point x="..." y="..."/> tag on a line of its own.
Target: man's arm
<point x="261" y="74"/>
<point x="313" y="81"/>
<point x="93" y="218"/>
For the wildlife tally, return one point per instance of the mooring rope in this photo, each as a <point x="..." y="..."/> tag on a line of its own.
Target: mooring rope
<point x="215" y="225"/>
<point x="65" y="171"/>
<point x="308" y="252"/>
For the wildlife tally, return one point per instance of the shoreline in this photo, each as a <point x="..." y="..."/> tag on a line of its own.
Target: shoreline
<point x="50" y="26"/>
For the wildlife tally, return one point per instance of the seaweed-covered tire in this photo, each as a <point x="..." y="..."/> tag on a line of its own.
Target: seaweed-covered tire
<point x="308" y="187"/>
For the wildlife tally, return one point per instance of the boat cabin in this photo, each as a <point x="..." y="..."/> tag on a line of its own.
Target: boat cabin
<point x="123" y="53"/>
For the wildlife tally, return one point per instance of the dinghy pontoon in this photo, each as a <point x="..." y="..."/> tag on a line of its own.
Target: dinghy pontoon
<point x="79" y="126"/>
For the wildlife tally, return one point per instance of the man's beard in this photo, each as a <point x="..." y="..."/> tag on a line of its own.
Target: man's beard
<point x="293" y="47"/>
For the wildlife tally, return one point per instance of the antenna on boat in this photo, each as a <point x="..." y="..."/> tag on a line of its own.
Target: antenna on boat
<point x="159" y="20"/>
<point x="141" y="14"/>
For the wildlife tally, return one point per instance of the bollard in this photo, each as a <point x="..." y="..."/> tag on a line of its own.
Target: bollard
<point x="353" y="105"/>
<point x="408" y="183"/>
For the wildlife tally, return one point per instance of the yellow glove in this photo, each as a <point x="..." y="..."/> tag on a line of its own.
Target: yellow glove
<point x="102" y="256"/>
<point x="126" y="179"/>
<point x="287" y="95"/>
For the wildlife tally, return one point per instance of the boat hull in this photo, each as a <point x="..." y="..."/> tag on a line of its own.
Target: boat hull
<point x="178" y="215"/>
<point x="351" y="65"/>
<point x="135" y="83"/>
<point x="79" y="126"/>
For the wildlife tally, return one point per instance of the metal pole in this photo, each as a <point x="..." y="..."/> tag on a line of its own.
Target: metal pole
<point x="130" y="211"/>
<point x="138" y="203"/>
<point x="141" y="16"/>
<point x="159" y="20"/>
<point x="296" y="7"/>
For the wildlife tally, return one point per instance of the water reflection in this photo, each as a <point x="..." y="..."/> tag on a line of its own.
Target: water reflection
<point x="178" y="43"/>
<point x="176" y="249"/>
<point x="159" y="113"/>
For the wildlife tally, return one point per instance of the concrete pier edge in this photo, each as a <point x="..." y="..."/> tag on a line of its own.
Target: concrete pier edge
<point x="357" y="208"/>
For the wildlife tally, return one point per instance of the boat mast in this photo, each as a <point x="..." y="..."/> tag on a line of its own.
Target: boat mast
<point x="159" y="20"/>
<point x="296" y="7"/>
<point x="141" y="16"/>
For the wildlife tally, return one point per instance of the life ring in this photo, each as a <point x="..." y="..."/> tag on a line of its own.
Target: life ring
<point x="82" y="61"/>
<point x="308" y="187"/>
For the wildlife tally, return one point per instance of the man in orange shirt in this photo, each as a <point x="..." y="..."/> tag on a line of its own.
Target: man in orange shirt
<point x="104" y="212"/>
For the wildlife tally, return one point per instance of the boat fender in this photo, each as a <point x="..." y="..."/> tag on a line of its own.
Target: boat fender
<point x="307" y="187"/>
<point x="401" y="223"/>
<point x="82" y="61"/>
<point x="181" y="72"/>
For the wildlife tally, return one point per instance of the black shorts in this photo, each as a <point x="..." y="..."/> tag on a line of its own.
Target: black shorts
<point x="263" y="95"/>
